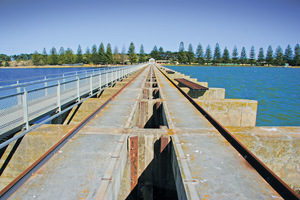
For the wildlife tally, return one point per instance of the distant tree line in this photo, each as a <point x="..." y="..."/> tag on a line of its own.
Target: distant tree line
<point x="106" y="56"/>
<point x="217" y="57"/>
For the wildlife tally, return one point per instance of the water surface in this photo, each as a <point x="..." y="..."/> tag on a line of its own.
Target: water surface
<point x="275" y="89"/>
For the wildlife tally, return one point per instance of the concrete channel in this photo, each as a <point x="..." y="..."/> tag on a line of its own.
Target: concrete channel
<point x="149" y="142"/>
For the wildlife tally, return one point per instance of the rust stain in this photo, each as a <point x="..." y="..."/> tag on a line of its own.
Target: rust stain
<point x="133" y="161"/>
<point x="164" y="143"/>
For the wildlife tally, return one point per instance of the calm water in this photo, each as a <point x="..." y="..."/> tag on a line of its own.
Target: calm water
<point x="275" y="89"/>
<point x="6" y="75"/>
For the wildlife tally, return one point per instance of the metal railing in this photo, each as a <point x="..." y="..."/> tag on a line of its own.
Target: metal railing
<point x="23" y="103"/>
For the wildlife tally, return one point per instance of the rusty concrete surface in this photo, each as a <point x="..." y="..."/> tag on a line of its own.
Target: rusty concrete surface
<point x="278" y="147"/>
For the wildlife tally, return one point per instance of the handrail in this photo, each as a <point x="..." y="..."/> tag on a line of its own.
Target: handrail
<point x="22" y="104"/>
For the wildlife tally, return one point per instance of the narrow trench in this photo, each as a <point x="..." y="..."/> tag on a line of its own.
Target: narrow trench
<point x="157" y="179"/>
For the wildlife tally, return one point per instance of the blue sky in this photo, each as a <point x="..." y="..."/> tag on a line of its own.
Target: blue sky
<point x="29" y="25"/>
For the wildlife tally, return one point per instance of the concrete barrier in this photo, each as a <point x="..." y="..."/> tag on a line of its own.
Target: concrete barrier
<point x="232" y="112"/>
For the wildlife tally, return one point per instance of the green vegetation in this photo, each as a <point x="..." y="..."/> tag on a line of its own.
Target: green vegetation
<point x="96" y="56"/>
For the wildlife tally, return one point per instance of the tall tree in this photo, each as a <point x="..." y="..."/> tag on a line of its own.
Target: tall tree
<point x="36" y="58"/>
<point x="217" y="54"/>
<point x="123" y="55"/>
<point x="154" y="53"/>
<point x="226" y="56"/>
<point x="235" y="55"/>
<point x="269" y="55"/>
<point x="95" y="55"/>
<point x="87" y="56"/>
<point x="199" y="54"/>
<point x="252" y="55"/>
<point x="117" y="57"/>
<point x="79" y="58"/>
<point x="131" y="53"/>
<point x="288" y="55"/>
<point x="243" y="56"/>
<point x="109" y="55"/>
<point x="161" y="53"/>
<point x="279" y="56"/>
<point x="61" y="57"/>
<point x="53" y="58"/>
<point x="101" y="54"/>
<point x="182" y="54"/>
<point x="208" y="55"/>
<point x="142" y="56"/>
<point x="190" y="54"/>
<point x="297" y="55"/>
<point x="44" y="57"/>
<point x="69" y="56"/>
<point x="261" y="56"/>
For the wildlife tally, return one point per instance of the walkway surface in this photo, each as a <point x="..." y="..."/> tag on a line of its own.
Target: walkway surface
<point x="82" y="167"/>
<point x="210" y="167"/>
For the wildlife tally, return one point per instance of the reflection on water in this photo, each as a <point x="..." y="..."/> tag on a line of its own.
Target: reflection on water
<point x="275" y="89"/>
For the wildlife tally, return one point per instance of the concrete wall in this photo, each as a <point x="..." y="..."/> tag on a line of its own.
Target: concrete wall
<point x="231" y="112"/>
<point x="277" y="147"/>
<point x="211" y="94"/>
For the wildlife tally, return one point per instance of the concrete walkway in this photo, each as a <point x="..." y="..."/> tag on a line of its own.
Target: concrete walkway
<point x="84" y="167"/>
<point x="209" y="166"/>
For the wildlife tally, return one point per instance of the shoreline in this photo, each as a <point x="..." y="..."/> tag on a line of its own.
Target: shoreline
<point x="227" y="66"/>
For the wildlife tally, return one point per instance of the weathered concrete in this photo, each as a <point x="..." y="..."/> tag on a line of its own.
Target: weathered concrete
<point x="209" y="166"/>
<point x="232" y="112"/>
<point x="92" y="163"/>
<point x="277" y="147"/>
<point x="32" y="147"/>
<point x="211" y="94"/>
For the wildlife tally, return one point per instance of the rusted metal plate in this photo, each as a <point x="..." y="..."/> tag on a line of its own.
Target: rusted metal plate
<point x="133" y="161"/>
<point x="163" y="143"/>
<point x="170" y="72"/>
<point x="190" y="84"/>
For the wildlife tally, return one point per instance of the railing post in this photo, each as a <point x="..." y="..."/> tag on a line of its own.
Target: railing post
<point x="58" y="96"/>
<point x="18" y="91"/>
<point x="46" y="85"/>
<point x="106" y="77"/>
<point x="78" y="88"/>
<point x="100" y="84"/>
<point x="91" y="84"/>
<point x="25" y="107"/>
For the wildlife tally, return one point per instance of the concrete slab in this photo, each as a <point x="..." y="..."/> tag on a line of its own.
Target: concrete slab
<point x="75" y="172"/>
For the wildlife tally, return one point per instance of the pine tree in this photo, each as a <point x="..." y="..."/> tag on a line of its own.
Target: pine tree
<point x="252" y="55"/>
<point x="117" y="57"/>
<point x="161" y="53"/>
<point x="243" y="56"/>
<point x="123" y="55"/>
<point x="235" y="55"/>
<point x="61" y="57"/>
<point x="199" y="54"/>
<point x="269" y="55"/>
<point x="142" y="56"/>
<point x="36" y="59"/>
<point x="45" y="57"/>
<point x="297" y="55"/>
<point x="109" y="55"/>
<point x="87" y="56"/>
<point x="226" y="56"/>
<point x="69" y="56"/>
<point x="208" y="55"/>
<point x="79" y="58"/>
<point x="154" y="53"/>
<point x="190" y="54"/>
<point x="261" y="56"/>
<point x="217" y="54"/>
<point x="131" y="53"/>
<point x="101" y="54"/>
<point x="278" y="56"/>
<point x="288" y="55"/>
<point x="182" y="54"/>
<point x="95" y="55"/>
<point x="53" y="58"/>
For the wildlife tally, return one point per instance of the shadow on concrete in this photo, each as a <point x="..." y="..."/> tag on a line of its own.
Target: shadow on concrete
<point x="157" y="181"/>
